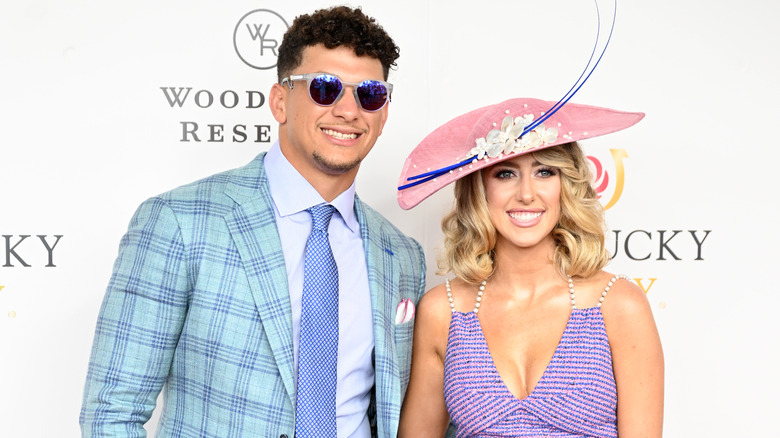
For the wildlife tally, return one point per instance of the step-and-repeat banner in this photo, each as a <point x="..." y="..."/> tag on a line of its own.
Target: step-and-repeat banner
<point x="105" y="104"/>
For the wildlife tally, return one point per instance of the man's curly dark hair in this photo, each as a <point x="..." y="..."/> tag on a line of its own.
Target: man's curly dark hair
<point x="335" y="27"/>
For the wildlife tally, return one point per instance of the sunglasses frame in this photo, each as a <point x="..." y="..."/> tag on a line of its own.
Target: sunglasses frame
<point x="309" y="77"/>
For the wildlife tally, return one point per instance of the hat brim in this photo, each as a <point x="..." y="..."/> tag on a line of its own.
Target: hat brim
<point x="451" y="142"/>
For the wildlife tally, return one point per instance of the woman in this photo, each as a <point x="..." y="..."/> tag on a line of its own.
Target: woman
<point x="531" y="337"/>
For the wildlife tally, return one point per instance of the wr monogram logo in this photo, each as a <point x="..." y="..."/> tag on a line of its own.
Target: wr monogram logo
<point x="257" y="37"/>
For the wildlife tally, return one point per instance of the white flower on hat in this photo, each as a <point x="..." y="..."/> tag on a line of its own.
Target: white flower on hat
<point x="480" y="149"/>
<point x="505" y="140"/>
<point x="539" y="136"/>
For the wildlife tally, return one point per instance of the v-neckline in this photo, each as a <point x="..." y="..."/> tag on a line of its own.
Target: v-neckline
<point x="546" y="368"/>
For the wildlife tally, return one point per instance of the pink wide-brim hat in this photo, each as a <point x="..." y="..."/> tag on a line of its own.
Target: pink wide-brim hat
<point x="457" y="141"/>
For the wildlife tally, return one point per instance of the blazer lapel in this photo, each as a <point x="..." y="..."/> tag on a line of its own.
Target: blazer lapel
<point x="383" y="271"/>
<point x="253" y="228"/>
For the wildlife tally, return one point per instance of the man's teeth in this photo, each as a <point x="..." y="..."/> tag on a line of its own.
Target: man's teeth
<point x="340" y="135"/>
<point x="525" y="216"/>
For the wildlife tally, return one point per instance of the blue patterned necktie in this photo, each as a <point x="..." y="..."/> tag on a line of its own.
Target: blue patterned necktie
<point x="316" y="406"/>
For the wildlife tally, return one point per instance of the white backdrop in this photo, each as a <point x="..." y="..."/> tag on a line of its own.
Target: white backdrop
<point x="87" y="133"/>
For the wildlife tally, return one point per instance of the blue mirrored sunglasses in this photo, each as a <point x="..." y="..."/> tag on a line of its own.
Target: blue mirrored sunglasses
<point x="325" y="90"/>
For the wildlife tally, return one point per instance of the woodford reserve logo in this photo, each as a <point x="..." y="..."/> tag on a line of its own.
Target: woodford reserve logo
<point x="256" y="40"/>
<point x="197" y="131"/>
<point x="676" y="245"/>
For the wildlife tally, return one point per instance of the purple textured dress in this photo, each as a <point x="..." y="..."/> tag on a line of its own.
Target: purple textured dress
<point x="576" y="396"/>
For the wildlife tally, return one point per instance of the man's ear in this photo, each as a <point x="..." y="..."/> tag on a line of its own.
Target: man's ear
<point x="277" y="100"/>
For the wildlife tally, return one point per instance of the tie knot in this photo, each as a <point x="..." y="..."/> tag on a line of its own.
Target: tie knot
<point x="320" y="216"/>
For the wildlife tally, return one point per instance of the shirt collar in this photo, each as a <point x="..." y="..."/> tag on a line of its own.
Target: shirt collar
<point x="282" y="175"/>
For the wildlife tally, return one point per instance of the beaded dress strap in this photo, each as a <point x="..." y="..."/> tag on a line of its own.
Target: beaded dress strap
<point x="479" y="296"/>
<point x="603" y="294"/>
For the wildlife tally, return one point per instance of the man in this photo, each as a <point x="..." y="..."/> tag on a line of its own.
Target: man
<point x="217" y="293"/>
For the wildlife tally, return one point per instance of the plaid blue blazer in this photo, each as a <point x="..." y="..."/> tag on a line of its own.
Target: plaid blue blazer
<point x="198" y="306"/>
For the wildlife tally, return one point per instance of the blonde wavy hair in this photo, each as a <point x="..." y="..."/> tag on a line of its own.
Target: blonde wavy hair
<point x="469" y="234"/>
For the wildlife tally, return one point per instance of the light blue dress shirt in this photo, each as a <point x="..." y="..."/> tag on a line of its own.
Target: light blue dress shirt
<point x="292" y="195"/>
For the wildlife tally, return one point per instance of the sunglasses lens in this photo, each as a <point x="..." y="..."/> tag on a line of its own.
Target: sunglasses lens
<point x="372" y="95"/>
<point x="325" y="89"/>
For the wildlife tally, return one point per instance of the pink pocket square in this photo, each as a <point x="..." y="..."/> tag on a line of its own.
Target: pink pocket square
<point x="404" y="312"/>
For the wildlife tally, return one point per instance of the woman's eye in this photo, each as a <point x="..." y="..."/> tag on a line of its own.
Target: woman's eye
<point x="546" y="172"/>
<point x="504" y="174"/>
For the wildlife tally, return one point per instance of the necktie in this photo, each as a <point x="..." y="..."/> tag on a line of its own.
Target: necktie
<point x="316" y="406"/>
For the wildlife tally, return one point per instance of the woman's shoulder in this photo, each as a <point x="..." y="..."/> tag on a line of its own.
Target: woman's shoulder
<point x="433" y="308"/>
<point x="626" y="310"/>
<point x="432" y="320"/>
<point x="439" y="301"/>
<point x="610" y="291"/>
<point x="623" y="296"/>
<point x="434" y="299"/>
